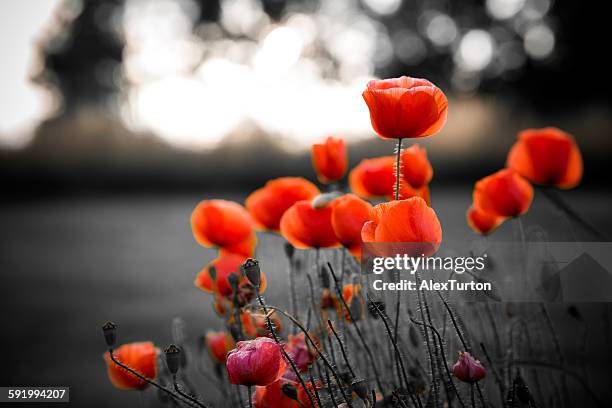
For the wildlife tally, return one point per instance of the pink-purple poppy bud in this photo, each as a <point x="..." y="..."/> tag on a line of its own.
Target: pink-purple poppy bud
<point x="468" y="369"/>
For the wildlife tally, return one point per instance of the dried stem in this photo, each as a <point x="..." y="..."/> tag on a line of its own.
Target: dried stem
<point x="342" y="350"/>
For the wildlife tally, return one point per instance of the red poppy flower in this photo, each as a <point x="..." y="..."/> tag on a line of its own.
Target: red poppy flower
<point x="482" y="222"/>
<point x="405" y="107"/>
<point x="350" y="294"/>
<point x="256" y="324"/>
<point x="329" y="159"/>
<point x="255" y="362"/>
<point x="141" y="357"/>
<point x="224" y="266"/>
<point x="348" y="216"/>
<point x="219" y="344"/>
<point x="547" y="156"/>
<point x="504" y="194"/>
<point x="268" y="204"/>
<point x="416" y="169"/>
<point x="272" y="396"/>
<point x="373" y="178"/>
<point x="404" y="221"/>
<point x="307" y="227"/>
<point x="299" y="352"/>
<point x="223" y="224"/>
<point x="468" y="369"/>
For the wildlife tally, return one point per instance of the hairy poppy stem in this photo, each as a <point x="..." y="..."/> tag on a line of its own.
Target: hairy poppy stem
<point x="432" y="361"/>
<point x="186" y="396"/>
<point x="342" y="350"/>
<point x="398" y="167"/>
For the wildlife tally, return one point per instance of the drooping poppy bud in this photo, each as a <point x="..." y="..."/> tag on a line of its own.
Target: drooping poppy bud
<point x="110" y="334"/>
<point x="250" y="269"/>
<point x="306" y="227"/>
<point x="255" y="362"/>
<point x="404" y="221"/>
<point x="173" y="358"/>
<point x="405" y="107"/>
<point x="256" y="324"/>
<point x="503" y="194"/>
<point x="219" y="344"/>
<point x="348" y="216"/>
<point x="299" y="352"/>
<point x="223" y="224"/>
<point x="468" y="369"/>
<point x="482" y="222"/>
<point x="416" y="169"/>
<point x="268" y="204"/>
<point x="329" y="159"/>
<point x="547" y="156"/>
<point x="141" y="357"/>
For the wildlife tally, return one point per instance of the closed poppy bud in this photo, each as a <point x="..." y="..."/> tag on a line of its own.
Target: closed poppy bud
<point x="268" y="204"/>
<point x="468" y="369"/>
<point x="223" y="224"/>
<point x="503" y="194"/>
<point x="404" y="221"/>
<point x="299" y="352"/>
<point x="482" y="222"/>
<point x="219" y="344"/>
<point x="255" y="362"/>
<point x="141" y="357"/>
<point x="250" y="269"/>
<point x="173" y="358"/>
<point x="307" y="227"/>
<point x="348" y="216"/>
<point x="110" y="333"/>
<point x="405" y="107"/>
<point x="547" y="156"/>
<point x="416" y="169"/>
<point x="329" y="159"/>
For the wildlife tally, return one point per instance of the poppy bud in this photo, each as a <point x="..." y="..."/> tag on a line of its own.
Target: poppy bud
<point x="255" y="362"/>
<point x="468" y="369"/>
<point x="290" y="391"/>
<point x="250" y="268"/>
<point x="360" y="387"/>
<point x="289" y="250"/>
<point x="173" y="358"/>
<point x="110" y="334"/>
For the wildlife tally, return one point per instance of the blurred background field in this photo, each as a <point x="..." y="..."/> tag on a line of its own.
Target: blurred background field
<point x="118" y="116"/>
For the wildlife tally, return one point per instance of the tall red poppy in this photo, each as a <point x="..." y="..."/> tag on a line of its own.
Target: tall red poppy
<point x="219" y="344"/>
<point x="307" y="227"/>
<point x="348" y="216"/>
<point x="405" y="107"/>
<point x="255" y="362"/>
<point x="224" y="224"/>
<point x="329" y="159"/>
<point x="503" y="194"/>
<point x="416" y="169"/>
<point x="268" y="204"/>
<point x="224" y="266"/>
<point x="141" y="357"/>
<point x="404" y="221"/>
<point x="547" y="156"/>
<point x="482" y="222"/>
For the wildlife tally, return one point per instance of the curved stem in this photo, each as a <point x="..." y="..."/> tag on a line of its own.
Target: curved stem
<point x="342" y="350"/>
<point x="186" y="396"/>
<point x="398" y="167"/>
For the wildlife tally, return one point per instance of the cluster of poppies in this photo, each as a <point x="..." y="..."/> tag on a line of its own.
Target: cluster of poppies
<point x="547" y="157"/>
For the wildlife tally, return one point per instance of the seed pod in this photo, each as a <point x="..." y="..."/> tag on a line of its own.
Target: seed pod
<point x="360" y="387"/>
<point x="173" y="358"/>
<point x="250" y="268"/>
<point x="110" y="333"/>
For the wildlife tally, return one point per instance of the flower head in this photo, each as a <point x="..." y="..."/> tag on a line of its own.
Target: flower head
<point x="214" y="278"/>
<point x="141" y="357"/>
<point x="481" y="221"/>
<point x="329" y="159"/>
<point x="547" y="156"/>
<point x="256" y="324"/>
<point x="405" y="107"/>
<point x="223" y="224"/>
<point x="268" y="204"/>
<point x="305" y="226"/>
<point x="255" y="362"/>
<point x="349" y="213"/>
<point x="219" y="343"/>
<point x="299" y="352"/>
<point x="503" y="194"/>
<point x="468" y="369"/>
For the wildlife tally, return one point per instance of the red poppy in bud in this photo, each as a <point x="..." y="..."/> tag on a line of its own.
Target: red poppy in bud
<point x="273" y="396"/>
<point x="219" y="344"/>
<point x="223" y="266"/>
<point x="256" y="325"/>
<point x="328" y="299"/>
<point x="547" y="156"/>
<point x="482" y="222"/>
<point x="299" y="352"/>
<point x="329" y="159"/>
<point x="307" y="227"/>
<point x="223" y="224"/>
<point x="255" y="362"/>
<point x="404" y="221"/>
<point x="349" y="213"/>
<point x="416" y="169"/>
<point x="141" y="357"/>
<point x="375" y="177"/>
<point x="503" y="194"/>
<point x="405" y="107"/>
<point x="468" y="369"/>
<point x="268" y="204"/>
